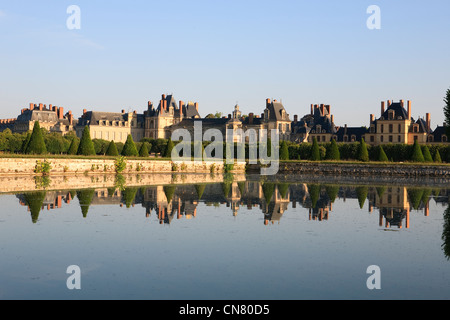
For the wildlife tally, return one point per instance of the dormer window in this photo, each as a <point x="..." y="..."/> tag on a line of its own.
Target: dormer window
<point x="391" y="114"/>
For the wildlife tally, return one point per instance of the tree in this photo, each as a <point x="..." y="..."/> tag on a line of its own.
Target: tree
<point x="169" y="148"/>
<point x="129" y="149"/>
<point x="333" y="151"/>
<point x="284" y="151"/>
<point x="112" y="149"/>
<point x="447" y="112"/>
<point x="382" y="155"/>
<point x="417" y="155"/>
<point x="437" y="157"/>
<point x="143" y="151"/>
<point x="315" y="151"/>
<point x="363" y="153"/>
<point x="426" y="154"/>
<point x="86" y="146"/>
<point x="73" y="146"/>
<point x="25" y="143"/>
<point x="37" y="143"/>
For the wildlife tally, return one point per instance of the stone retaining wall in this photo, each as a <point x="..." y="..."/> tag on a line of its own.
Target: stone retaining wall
<point x="26" y="166"/>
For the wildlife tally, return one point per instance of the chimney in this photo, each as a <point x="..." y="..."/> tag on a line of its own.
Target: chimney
<point x="51" y="107"/>
<point x="295" y="118"/>
<point x="61" y="113"/>
<point x="409" y="110"/>
<point x="402" y="102"/>
<point x="250" y="118"/>
<point x="41" y="107"/>
<point x="372" y="118"/>
<point x="150" y="104"/>
<point x="267" y="102"/>
<point x="84" y="111"/>
<point x="389" y="103"/>
<point x="328" y="108"/>
<point x="332" y="118"/>
<point x="180" y="104"/>
<point x="383" y="108"/>
<point x="163" y="97"/>
<point x="312" y="109"/>
<point x="196" y="106"/>
<point x="262" y="115"/>
<point x="31" y="106"/>
<point x="70" y="117"/>
<point x="229" y="116"/>
<point x="428" y="123"/>
<point x="322" y="110"/>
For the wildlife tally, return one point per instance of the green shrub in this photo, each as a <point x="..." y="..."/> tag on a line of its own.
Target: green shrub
<point x="333" y="151"/>
<point x="284" y="151"/>
<point x="437" y="157"/>
<point x="120" y="164"/>
<point x="382" y="155"/>
<point x="169" y="148"/>
<point x="112" y="150"/>
<point x="37" y="143"/>
<point x="426" y="154"/>
<point x="143" y="151"/>
<point x="417" y="155"/>
<point x="315" y="151"/>
<point x="129" y="149"/>
<point x="73" y="148"/>
<point x="363" y="153"/>
<point x="86" y="146"/>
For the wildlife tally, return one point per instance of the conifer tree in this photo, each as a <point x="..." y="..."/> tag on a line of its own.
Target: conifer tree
<point x="417" y="155"/>
<point x="169" y="148"/>
<point x="73" y="148"/>
<point x="426" y="154"/>
<point x="112" y="149"/>
<point x="382" y="155"/>
<point x="36" y="145"/>
<point x="129" y="149"/>
<point x="437" y="157"/>
<point x="25" y="143"/>
<point x="143" y="151"/>
<point x="447" y="112"/>
<point x="86" y="146"/>
<point x="284" y="151"/>
<point x="363" y="153"/>
<point x="315" y="152"/>
<point x="333" y="151"/>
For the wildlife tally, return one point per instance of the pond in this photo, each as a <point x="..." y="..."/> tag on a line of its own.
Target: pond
<point x="284" y="238"/>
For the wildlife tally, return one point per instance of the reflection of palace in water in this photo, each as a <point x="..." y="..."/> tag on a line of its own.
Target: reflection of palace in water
<point x="394" y="203"/>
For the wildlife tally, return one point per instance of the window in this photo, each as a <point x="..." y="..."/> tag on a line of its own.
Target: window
<point x="391" y="139"/>
<point x="353" y="138"/>
<point x="444" y="138"/>
<point x="399" y="128"/>
<point x="318" y="138"/>
<point x="372" y="139"/>
<point x="399" y="138"/>
<point x="416" y="138"/>
<point x="391" y="128"/>
<point x="382" y="128"/>
<point x="382" y="138"/>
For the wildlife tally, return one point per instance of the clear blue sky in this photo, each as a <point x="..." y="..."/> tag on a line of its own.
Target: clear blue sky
<point x="222" y="52"/>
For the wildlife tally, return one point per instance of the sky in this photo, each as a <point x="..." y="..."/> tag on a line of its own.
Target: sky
<point x="222" y="53"/>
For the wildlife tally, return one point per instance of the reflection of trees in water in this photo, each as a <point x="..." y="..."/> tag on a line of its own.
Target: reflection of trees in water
<point x="362" y="193"/>
<point x="128" y="195"/>
<point x="200" y="189"/>
<point x="35" y="201"/>
<point x="332" y="192"/>
<point x="283" y="188"/>
<point x="169" y="191"/>
<point x="85" y="198"/>
<point x="419" y="197"/>
<point x="268" y="191"/>
<point x="314" y="194"/>
<point x="446" y="233"/>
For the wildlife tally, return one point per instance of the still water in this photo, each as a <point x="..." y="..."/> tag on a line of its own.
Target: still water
<point x="277" y="239"/>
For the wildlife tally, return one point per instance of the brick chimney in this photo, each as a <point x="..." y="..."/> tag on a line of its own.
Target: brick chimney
<point x="372" y="118"/>
<point x="85" y="111"/>
<point x="61" y="113"/>
<point x="268" y="101"/>
<point x="409" y="110"/>
<point x="332" y="118"/>
<point x="196" y="106"/>
<point x="428" y="117"/>
<point x="41" y="107"/>
<point x="250" y="118"/>
<point x="70" y="117"/>
<point x="312" y="109"/>
<point x="383" y="107"/>
<point x="328" y="108"/>
<point x="31" y="106"/>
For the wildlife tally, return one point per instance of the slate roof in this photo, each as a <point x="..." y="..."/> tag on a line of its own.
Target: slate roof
<point x="438" y="133"/>
<point x="358" y="132"/>
<point x="276" y="112"/>
<point x="399" y="111"/>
